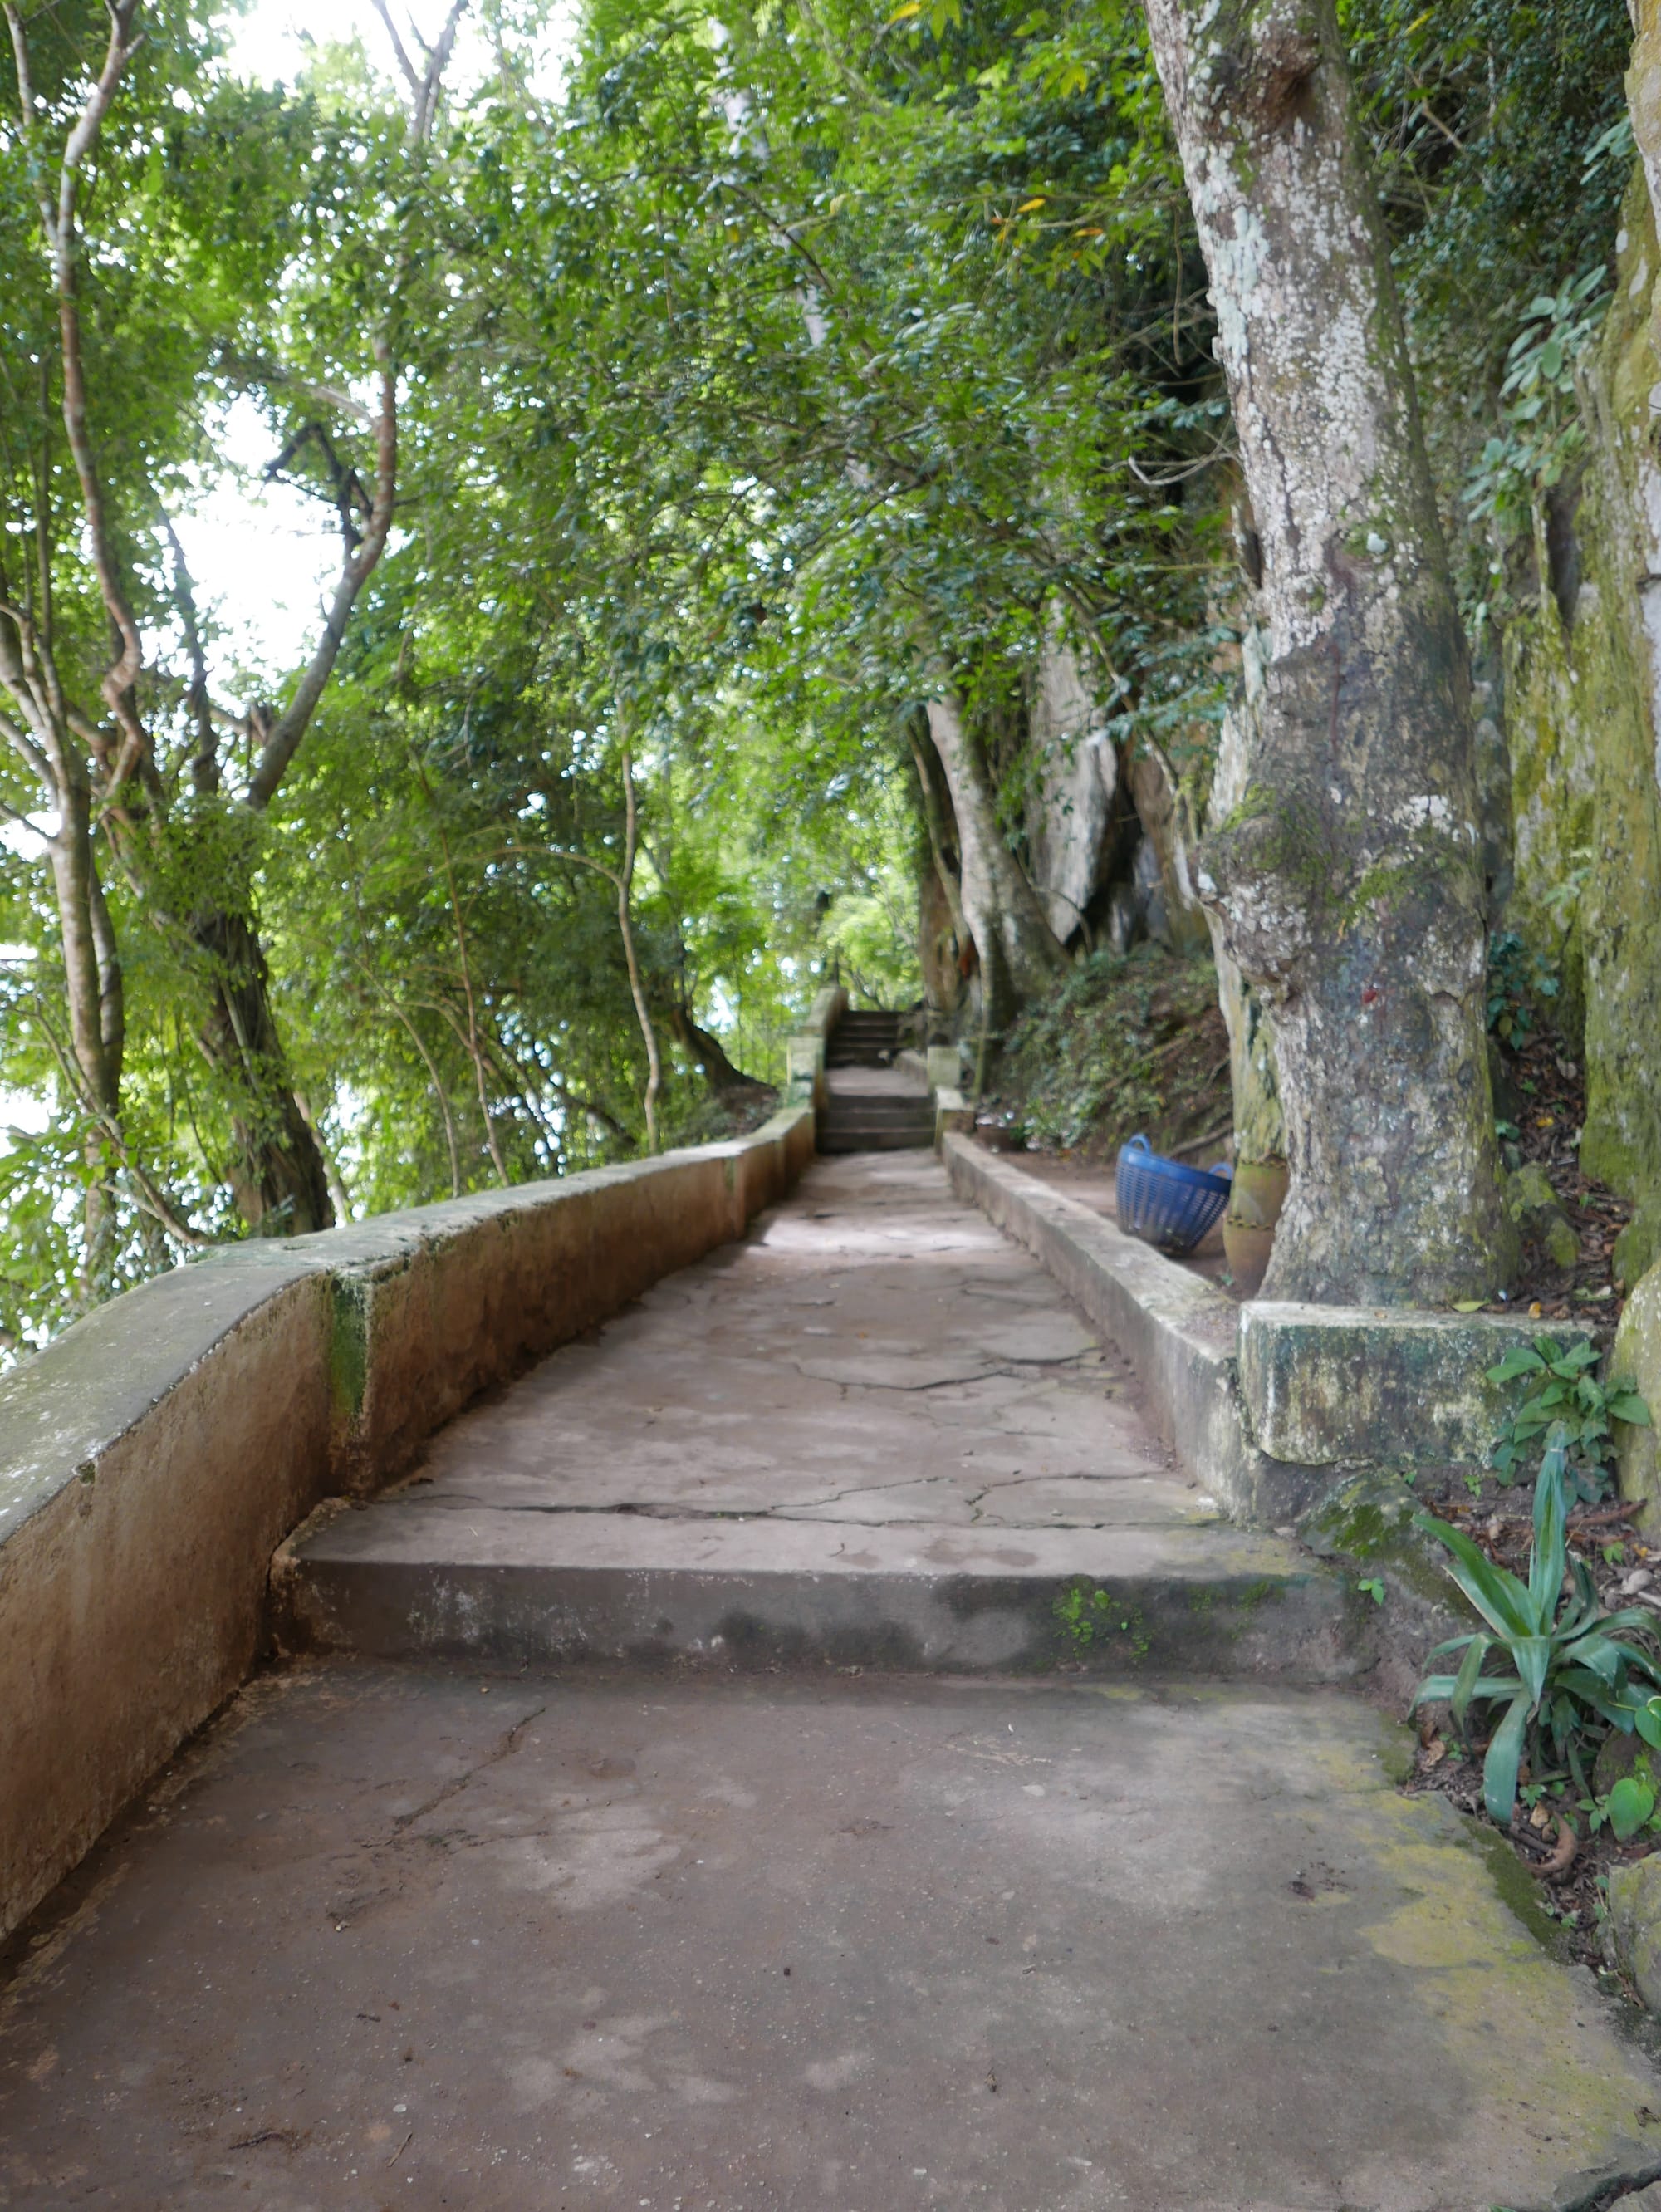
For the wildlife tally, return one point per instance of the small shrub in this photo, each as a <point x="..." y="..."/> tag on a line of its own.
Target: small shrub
<point x="1126" y="1042"/>
<point x="1518" y="980"/>
<point x="1571" y="1670"/>
<point x="1568" y="1412"/>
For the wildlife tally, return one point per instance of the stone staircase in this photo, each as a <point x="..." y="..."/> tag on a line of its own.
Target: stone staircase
<point x="863" y="1039"/>
<point x="872" y="1106"/>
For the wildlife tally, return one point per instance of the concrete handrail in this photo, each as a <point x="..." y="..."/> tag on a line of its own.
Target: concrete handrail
<point x="941" y="1068"/>
<point x="804" y="1052"/>
<point x="154" y="1455"/>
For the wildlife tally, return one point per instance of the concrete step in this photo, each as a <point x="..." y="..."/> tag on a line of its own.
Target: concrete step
<point x="875" y="1121"/>
<point x="862" y="1040"/>
<point x="880" y="1106"/>
<point x="399" y="1579"/>
<point x="877" y="1137"/>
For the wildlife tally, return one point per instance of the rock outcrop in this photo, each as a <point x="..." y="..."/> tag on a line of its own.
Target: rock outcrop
<point x="1583" y="722"/>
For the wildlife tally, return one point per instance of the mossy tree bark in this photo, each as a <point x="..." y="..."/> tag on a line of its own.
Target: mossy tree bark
<point x="1347" y="880"/>
<point x="279" y="1178"/>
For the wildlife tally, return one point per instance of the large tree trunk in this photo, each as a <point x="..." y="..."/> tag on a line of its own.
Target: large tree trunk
<point x="279" y="1180"/>
<point x="1254" y="1077"/>
<point x="727" y="1080"/>
<point x="1019" y="953"/>
<point x="1069" y="810"/>
<point x="943" y="947"/>
<point x="1348" y="879"/>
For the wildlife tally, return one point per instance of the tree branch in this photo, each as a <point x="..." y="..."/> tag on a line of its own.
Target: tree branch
<point x="60" y="224"/>
<point x="423" y="83"/>
<point x="204" y="768"/>
<point x="291" y="725"/>
<point x="149" y="1194"/>
<point x="625" y="924"/>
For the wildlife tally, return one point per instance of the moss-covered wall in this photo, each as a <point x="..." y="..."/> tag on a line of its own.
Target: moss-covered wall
<point x="1583" y="683"/>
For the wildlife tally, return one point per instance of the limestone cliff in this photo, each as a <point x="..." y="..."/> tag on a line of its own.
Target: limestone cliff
<point x="1583" y="713"/>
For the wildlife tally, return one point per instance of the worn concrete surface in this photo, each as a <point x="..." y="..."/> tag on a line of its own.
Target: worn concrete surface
<point x="153" y="1456"/>
<point x="856" y="1081"/>
<point x="875" y="1352"/>
<point x="1179" y="1331"/>
<point x="875" y="1433"/>
<point x="383" y="1941"/>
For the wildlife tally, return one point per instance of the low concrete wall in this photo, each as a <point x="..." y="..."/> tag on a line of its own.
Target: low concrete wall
<point x="153" y="1458"/>
<point x="1175" y="1329"/>
<point x="1359" y="1386"/>
<point x="804" y="1052"/>
<point x="1270" y="1405"/>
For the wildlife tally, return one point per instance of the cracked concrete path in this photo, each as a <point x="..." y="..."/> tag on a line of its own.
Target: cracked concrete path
<point x="873" y="1433"/>
<point x="612" y="1943"/>
<point x="807" y="1938"/>
<point x="877" y="1352"/>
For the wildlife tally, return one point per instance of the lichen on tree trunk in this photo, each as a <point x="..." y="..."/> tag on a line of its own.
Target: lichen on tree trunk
<point x="1347" y="881"/>
<point x="1254" y="1077"/>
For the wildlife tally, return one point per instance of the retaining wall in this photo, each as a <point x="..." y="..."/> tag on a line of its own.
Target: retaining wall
<point x="153" y="1458"/>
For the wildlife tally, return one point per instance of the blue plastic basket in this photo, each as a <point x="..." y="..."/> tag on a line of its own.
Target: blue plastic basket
<point x="1165" y="1203"/>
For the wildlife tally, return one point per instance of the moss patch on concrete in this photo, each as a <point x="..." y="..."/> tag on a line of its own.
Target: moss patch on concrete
<point x="349" y="1347"/>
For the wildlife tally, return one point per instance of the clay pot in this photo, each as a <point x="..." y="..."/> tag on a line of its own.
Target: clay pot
<point x="1248" y="1227"/>
<point x="1248" y="1247"/>
<point x="1258" y="1192"/>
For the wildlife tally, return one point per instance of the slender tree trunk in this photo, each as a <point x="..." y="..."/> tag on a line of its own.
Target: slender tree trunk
<point x="279" y="1180"/>
<point x="438" y="1092"/>
<point x="1348" y="879"/>
<point x="637" y="988"/>
<point x="93" y="989"/>
<point x="1019" y="953"/>
<point x="339" y="1197"/>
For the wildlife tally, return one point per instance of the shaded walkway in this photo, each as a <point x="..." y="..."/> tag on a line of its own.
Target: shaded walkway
<point x="876" y="1353"/>
<point x="772" y="1946"/>
<point x="875" y="1433"/>
<point x="682" y="1939"/>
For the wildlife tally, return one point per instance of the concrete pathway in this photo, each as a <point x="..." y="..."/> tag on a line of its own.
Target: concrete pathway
<point x="745" y="1928"/>
<point x="787" y="1946"/>
<point x="873" y="1434"/>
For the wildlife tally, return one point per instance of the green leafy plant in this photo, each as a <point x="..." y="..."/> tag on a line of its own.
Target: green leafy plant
<point x="1570" y="1668"/>
<point x="1568" y="1413"/>
<point x="1086" y="1613"/>
<point x="1630" y="1806"/>
<point x="1518" y="979"/>
<point x="1541" y="432"/>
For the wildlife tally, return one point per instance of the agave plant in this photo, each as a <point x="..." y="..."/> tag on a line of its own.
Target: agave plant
<point x="1569" y="1665"/>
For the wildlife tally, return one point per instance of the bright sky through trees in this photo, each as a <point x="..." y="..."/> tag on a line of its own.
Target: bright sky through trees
<point x="274" y="551"/>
